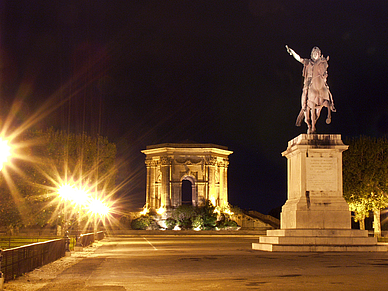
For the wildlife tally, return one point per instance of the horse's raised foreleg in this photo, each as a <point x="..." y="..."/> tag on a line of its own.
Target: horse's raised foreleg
<point x="328" y="105"/>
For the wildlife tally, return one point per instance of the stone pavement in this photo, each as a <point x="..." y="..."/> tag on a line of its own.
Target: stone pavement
<point x="190" y="262"/>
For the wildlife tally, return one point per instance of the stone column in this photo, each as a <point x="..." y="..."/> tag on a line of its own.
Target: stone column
<point x="212" y="180"/>
<point x="224" y="182"/>
<point x="315" y="199"/>
<point x="165" y="191"/>
<point x="151" y="199"/>
<point x="194" y="195"/>
<point x="175" y="194"/>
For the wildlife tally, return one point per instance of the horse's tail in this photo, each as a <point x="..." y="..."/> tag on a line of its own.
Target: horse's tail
<point x="299" y="118"/>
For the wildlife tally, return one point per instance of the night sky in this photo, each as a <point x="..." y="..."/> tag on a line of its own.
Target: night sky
<point x="149" y="72"/>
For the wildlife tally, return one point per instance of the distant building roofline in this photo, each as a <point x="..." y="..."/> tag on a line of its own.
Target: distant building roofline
<point x="186" y="145"/>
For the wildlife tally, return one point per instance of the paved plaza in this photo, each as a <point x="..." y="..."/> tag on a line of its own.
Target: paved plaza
<point x="210" y="263"/>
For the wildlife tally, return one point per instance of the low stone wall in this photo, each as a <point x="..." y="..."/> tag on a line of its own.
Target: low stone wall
<point x="240" y="232"/>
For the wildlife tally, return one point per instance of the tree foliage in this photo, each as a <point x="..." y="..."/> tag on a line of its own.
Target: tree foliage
<point x="184" y="214"/>
<point x="206" y="215"/>
<point x="143" y="222"/>
<point x="187" y="217"/>
<point x="365" y="175"/>
<point x="9" y="214"/>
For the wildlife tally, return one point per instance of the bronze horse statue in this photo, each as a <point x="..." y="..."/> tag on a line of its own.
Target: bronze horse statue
<point x="318" y="96"/>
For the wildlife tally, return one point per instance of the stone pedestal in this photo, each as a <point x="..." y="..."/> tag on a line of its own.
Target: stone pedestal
<point x="315" y="216"/>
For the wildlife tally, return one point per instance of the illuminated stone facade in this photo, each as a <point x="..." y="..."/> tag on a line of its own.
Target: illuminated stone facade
<point x="202" y="167"/>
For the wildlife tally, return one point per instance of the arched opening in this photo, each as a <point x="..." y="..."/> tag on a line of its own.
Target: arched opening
<point x="187" y="192"/>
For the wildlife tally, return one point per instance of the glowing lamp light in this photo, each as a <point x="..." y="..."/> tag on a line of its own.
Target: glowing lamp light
<point x="66" y="192"/>
<point x="144" y="211"/>
<point x="161" y="210"/>
<point x="213" y="201"/>
<point x="73" y="194"/>
<point x="97" y="207"/>
<point x="80" y="197"/>
<point x="217" y="210"/>
<point x="227" y="211"/>
<point x="5" y="152"/>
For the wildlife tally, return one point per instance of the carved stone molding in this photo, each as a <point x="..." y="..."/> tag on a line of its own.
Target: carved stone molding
<point x="151" y="163"/>
<point x="212" y="161"/>
<point x="224" y="163"/>
<point x="188" y="161"/>
<point x="165" y="160"/>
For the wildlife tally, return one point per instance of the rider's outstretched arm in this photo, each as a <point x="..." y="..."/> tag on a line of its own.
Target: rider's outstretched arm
<point x="294" y="54"/>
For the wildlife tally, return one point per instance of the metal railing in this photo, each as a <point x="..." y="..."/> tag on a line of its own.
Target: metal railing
<point x="20" y="260"/>
<point x="8" y="242"/>
<point x="17" y="261"/>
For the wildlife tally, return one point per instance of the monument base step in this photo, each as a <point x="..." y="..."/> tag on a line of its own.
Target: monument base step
<point x="318" y="240"/>
<point x="318" y="248"/>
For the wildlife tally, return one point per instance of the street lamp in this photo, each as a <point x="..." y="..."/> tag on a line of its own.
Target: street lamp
<point x="97" y="208"/>
<point x="5" y="152"/>
<point x="75" y="195"/>
<point x="79" y="198"/>
<point x="66" y="193"/>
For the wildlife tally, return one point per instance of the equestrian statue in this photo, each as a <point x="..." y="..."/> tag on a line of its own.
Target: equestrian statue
<point x="315" y="93"/>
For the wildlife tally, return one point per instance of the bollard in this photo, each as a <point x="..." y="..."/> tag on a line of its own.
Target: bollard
<point x="1" y="274"/>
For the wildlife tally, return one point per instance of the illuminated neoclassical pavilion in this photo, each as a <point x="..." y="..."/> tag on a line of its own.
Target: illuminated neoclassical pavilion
<point x="186" y="173"/>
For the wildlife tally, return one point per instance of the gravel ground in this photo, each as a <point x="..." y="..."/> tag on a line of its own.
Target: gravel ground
<point x="38" y="278"/>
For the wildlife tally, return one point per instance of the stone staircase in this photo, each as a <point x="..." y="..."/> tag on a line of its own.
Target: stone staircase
<point x="319" y="240"/>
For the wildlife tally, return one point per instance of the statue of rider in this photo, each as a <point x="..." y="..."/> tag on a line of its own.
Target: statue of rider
<point x="308" y="65"/>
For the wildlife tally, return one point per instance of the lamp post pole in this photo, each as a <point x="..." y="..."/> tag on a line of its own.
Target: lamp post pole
<point x="65" y="231"/>
<point x="78" y="238"/>
<point x="99" y="210"/>
<point x="5" y="154"/>
<point x="1" y="274"/>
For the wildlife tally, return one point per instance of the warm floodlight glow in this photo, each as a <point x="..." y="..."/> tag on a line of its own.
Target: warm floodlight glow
<point x="217" y="210"/>
<point x="73" y="194"/>
<point x="66" y="192"/>
<point x="144" y="211"/>
<point x="5" y="152"/>
<point x="213" y="201"/>
<point x="161" y="210"/>
<point x="97" y="207"/>
<point x="80" y="197"/>
<point x="227" y="210"/>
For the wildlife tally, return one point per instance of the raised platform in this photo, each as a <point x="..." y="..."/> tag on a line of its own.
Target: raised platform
<point x="318" y="240"/>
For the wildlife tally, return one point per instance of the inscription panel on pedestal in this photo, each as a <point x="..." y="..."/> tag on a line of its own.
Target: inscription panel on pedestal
<point x="321" y="174"/>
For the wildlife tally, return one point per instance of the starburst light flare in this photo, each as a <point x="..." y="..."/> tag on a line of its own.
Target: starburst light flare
<point x="5" y="152"/>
